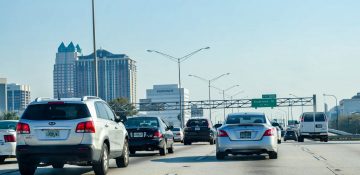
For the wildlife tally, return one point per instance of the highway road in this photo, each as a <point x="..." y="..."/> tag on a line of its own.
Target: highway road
<point x="310" y="157"/>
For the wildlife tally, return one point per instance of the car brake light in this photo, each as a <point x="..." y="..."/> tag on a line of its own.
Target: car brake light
<point x="85" y="127"/>
<point x="9" y="138"/>
<point x="222" y="133"/>
<point x="22" y="128"/>
<point x="269" y="132"/>
<point x="157" y="134"/>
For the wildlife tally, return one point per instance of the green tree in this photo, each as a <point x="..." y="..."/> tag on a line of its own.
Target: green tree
<point x="123" y="107"/>
<point x="9" y="116"/>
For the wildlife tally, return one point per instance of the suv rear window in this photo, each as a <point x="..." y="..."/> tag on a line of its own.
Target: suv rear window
<point x="197" y="122"/>
<point x="245" y="119"/>
<point x="56" y="112"/>
<point x="319" y="117"/>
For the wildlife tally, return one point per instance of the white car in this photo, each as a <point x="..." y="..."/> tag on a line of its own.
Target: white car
<point x="247" y="133"/>
<point x="178" y="134"/>
<point x="313" y="125"/>
<point x="70" y="131"/>
<point x="7" y="139"/>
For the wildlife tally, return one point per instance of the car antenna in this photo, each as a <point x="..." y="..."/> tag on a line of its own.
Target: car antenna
<point x="58" y="94"/>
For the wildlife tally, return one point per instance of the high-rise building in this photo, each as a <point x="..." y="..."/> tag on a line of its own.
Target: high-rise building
<point x="18" y="97"/>
<point x="63" y="74"/>
<point x="3" y="96"/>
<point x="167" y="93"/>
<point x="117" y="76"/>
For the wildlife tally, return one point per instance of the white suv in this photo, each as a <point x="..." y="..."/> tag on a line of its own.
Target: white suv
<point x="313" y="125"/>
<point x="70" y="131"/>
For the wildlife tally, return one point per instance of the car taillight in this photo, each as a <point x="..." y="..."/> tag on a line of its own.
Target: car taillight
<point x="222" y="133"/>
<point x="9" y="138"/>
<point x="157" y="134"/>
<point x="85" y="127"/>
<point x="22" y="128"/>
<point x="269" y="132"/>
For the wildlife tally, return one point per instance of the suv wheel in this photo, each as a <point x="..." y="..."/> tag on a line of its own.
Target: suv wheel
<point x="300" y="139"/>
<point x="101" y="167"/>
<point x="212" y="141"/>
<point x="220" y="155"/>
<point x="326" y="139"/>
<point x="123" y="160"/>
<point x="26" y="168"/>
<point x="273" y="155"/>
<point x="132" y="151"/>
<point x="2" y="159"/>
<point x="162" y="150"/>
<point x="58" y="165"/>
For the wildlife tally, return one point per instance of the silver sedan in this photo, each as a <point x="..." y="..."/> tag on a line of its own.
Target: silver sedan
<point x="247" y="134"/>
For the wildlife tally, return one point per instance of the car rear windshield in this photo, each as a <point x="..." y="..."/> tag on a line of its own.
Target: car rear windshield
<point x="8" y="125"/>
<point x="319" y="117"/>
<point x="176" y="129"/>
<point x="197" y="122"/>
<point x="66" y="111"/>
<point x="139" y="122"/>
<point x="290" y="132"/>
<point x="245" y="119"/>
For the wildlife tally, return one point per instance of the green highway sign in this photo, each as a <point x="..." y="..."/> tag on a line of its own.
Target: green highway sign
<point x="269" y="96"/>
<point x="263" y="102"/>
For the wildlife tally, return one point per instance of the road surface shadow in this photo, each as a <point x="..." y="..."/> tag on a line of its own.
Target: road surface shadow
<point x="9" y="162"/>
<point x="7" y="171"/>
<point x="66" y="170"/>
<point x="144" y="154"/>
<point x="202" y="159"/>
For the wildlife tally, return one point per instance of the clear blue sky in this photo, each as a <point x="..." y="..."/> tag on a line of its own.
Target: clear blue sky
<point x="269" y="46"/>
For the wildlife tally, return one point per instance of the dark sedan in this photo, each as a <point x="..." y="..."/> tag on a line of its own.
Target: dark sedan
<point x="199" y="130"/>
<point x="149" y="134"/>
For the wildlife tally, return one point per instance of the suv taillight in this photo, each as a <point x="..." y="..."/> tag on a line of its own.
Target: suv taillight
<point x="269" y="132"/>
<point x="9" y="138"/>
<point x="157" y="134"/>
<point x="23" y="128"/>
<point x="85" y="127"/>
<point x="222" y="133"/>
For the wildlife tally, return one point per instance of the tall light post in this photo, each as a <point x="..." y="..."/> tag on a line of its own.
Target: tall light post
<point x="96" y="78"/>
<point x="336" y="107"/>
<point x="223" y="93"/>
<point x="179" y="61"/>
<point x="302" y="107"/>
<point x="232" y="96"/>
<point x="209" y="81"/>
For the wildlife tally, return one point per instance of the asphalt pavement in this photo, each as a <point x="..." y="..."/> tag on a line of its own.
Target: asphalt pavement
<point x="308" y="158"/>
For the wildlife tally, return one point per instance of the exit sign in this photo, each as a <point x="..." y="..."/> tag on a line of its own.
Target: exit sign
<point x="263" y="102"/>
<point x="269" y="96"/>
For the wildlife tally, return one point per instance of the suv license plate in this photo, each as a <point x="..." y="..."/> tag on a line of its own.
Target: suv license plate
<point x="197" y="129"/>
<point x="138" y="134"/>
<point x="53" y="133"/>
<point x="245" y="135"/>
<point x="318" y="125"/>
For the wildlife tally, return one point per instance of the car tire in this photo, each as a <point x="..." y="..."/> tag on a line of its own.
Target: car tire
<point x="2" y="159"/>
<point x="212" y="142"/>
<point x="284" y="140"/>
<point x="326" y="139"/>
<point x="132" y="152"/>
<point x="171" y="149"/>
<point x="273" y="155"/>
<point x="162" y="151"/>
<point x="26" y="168"/>
<point x="279" y="141"/>
<point x="220" y="155"/>
<point x="300" y="139"/>
<point x="101" y="167"/>
<point x="123" y="160"/>
<point x="58" y="165"/>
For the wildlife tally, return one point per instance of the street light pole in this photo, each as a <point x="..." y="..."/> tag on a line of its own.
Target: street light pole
<point x="336" y="107"/>
<point x="179" y="61"/>
<point x="96" y="78"/>
<point x="209" y="81"/>
<point x="223" y="93"/>
<point x="302" y="107"/>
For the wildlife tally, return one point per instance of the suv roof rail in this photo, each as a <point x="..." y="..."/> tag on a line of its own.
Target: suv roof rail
<point x="89" y="98"/>
<point x="38" y="99"/>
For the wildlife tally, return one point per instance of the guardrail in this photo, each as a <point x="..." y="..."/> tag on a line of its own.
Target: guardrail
<point x="334" y="131"/>
<point x="344" y="137"/>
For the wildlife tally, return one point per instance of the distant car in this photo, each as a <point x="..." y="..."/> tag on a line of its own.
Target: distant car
<point x="290" y="135"/>
<point x="199" y="130"/>
<point x="178" y="134"/>
<point x="7" y="139"/>
<point x="313" y="125"/>
<point x="247" y="133"/>
<point x="148" y="133"/>
<point x="79" y="131"/>
<point x="278" y="131"/>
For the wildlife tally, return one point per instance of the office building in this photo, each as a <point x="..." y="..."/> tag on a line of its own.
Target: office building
<point x="167" y="93"/>
<point x="3" y="95"/>
<point x="18" y="97"/>
<point x="117" y="76"/>
<point x="347" y="107"/>
<point x="63" y="74"/>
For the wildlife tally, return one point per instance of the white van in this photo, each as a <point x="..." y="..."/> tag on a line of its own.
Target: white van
<point x="313" y="125"/>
